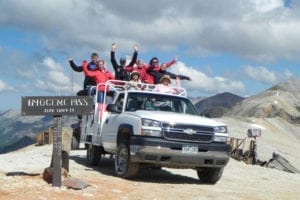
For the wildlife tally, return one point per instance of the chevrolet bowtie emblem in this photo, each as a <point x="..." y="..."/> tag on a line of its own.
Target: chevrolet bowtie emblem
<point x="189" y="131"/>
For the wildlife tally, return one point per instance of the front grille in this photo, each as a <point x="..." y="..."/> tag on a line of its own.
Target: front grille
<point x="188" y="133"/>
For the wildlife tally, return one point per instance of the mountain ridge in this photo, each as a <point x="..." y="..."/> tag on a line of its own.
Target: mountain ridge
<point x="281" y="100"/>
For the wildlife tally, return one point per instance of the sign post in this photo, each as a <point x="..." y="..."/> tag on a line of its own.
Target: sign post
<point x="57" y="143"/>
<point x="57" y="106"/>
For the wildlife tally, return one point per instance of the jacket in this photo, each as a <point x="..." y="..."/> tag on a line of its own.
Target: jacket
<point x="97" y="75"/>
<point x="87" y="80"/>
<point x="120" y="72"/>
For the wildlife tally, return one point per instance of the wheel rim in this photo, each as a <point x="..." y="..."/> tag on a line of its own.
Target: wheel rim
<point x="122" y="160"/>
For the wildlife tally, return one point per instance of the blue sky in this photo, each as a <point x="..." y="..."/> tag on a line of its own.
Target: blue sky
<point x="237" y="46"/>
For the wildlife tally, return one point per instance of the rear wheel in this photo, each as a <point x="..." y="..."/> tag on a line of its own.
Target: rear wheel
<point x="123" y="166"/>
<point x="75" y="143"/>
<point x="209" y="174"/>
<point x="76" y="138"/>
<point x="93" y="154"/>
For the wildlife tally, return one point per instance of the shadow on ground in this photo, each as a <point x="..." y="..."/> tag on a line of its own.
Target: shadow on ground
<point x="146" y="174"/>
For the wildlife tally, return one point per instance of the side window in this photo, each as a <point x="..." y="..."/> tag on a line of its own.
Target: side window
<point x="134" y="103"/>
<point x="120" y="101"/>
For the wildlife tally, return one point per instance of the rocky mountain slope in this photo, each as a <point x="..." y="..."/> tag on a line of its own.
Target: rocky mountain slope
<point x="17" y="131"/>
<point x="282" y="100"/>
<point x="217" y="105"/>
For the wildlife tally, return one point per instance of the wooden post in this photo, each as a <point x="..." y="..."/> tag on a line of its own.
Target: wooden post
<point x="57" y="143"/>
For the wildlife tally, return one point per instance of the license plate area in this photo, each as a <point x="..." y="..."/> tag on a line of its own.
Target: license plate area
<point x="189" y="149"/>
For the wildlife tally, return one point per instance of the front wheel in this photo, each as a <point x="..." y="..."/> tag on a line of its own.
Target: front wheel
<point x="209" y="174"/>
<point x="123" y="166"/>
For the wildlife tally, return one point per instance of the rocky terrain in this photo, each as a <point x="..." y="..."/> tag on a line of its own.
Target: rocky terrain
<point x="217" y="105"/>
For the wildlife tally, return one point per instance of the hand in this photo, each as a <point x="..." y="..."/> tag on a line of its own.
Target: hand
<point x="70" y="59"/>
<point x="135" y="47"/>
<point x="175" y="58"/>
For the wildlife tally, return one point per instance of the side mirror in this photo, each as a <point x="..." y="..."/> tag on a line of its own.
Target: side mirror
<point x="113" y="108"/>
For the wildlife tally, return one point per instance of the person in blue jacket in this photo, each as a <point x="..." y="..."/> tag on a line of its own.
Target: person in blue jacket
<point x="88" y="81"/>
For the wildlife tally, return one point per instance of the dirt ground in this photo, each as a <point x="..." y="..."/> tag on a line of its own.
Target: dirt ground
<point x="20" y="178"/>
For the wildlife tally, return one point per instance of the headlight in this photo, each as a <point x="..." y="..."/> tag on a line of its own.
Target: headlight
<point x="220" y="129"/>
<point x="151" y="128"/>
<point x="150" y="122"/>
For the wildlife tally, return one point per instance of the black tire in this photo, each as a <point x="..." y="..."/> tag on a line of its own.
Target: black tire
<point x="75" y="139"/>
<point x="123" y="166"/>
<point x="209" y="174"/>
<point x="75" y="143"/>
<point x="93" y="154"/>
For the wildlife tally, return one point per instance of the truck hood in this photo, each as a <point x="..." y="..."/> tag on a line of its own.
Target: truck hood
<point x="171" y="117"/>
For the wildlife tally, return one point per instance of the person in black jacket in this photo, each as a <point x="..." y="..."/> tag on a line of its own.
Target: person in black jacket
<point x="121" y="73"/>
<point x="157" y="75"/>
<point x="88" y="81"/>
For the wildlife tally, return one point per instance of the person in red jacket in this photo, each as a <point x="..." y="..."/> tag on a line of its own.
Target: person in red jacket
<point x="154" y="66"/>
<point x="101" y="75"/>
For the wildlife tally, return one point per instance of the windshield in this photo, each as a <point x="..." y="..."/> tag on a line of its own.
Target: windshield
<point x="160" y="102"/>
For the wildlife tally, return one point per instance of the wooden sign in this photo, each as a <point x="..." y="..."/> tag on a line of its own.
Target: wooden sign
<point x="56" y="105"/>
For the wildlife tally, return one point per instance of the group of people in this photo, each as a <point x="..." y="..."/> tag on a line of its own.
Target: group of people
<point x="135" y="73"/>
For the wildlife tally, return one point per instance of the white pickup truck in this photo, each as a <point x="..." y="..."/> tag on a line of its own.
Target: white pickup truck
<point x="143" y="128"/>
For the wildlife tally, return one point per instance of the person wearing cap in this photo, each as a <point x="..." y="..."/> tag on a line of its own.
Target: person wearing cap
<point x="141" y="68"/>
<point x="165" y="87"/>
<point x="121" y="72"/>
<point x="88" y="81"/>
<point x="135" y="82"/>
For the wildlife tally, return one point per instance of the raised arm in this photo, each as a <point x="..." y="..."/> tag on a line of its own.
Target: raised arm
<point x="182" y="77"/>
<point x="134" y="57"/>
<point x="74" y="66"/>
<point x="113" y="56"/>
<point x="173" y="61"/>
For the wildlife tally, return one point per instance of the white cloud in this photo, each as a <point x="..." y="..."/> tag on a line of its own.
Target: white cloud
<point x="2" y="86"/>
<point x="51" y="64"/>
<point x="5" y="87"/>
<point x="268" y="5"/>
<point x="54" y="79"/>
<point x="261" y="74"/>
<point x="263" y="30"/>
<point x="260" y="30"/>
<point x="205" y="84"/>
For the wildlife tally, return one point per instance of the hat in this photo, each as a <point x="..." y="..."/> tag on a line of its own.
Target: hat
<point x="165" y="77"/>
<point x="135" y="72"/>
